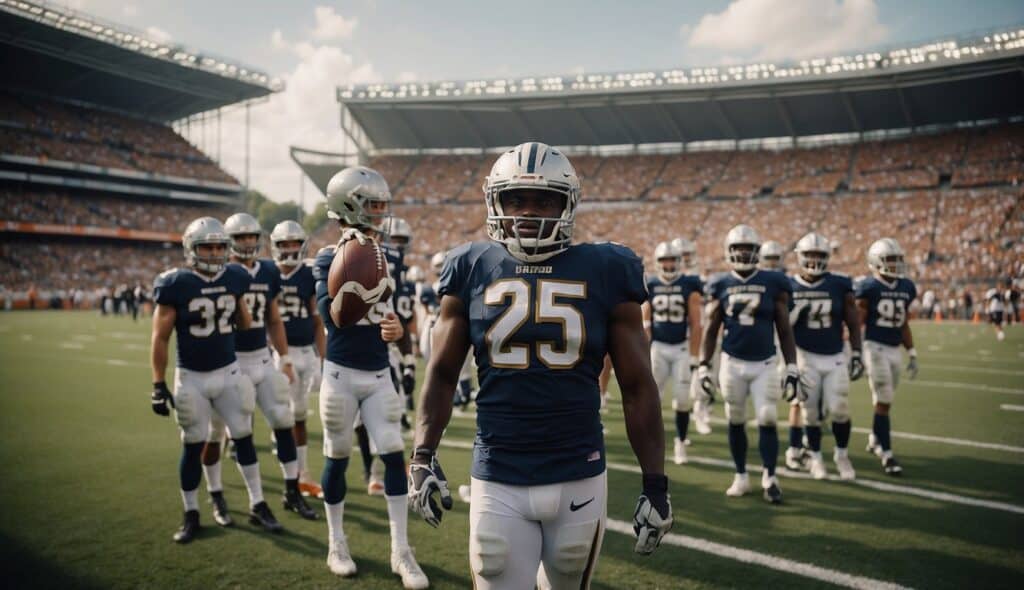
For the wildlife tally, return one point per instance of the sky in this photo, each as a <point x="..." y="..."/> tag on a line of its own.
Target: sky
<point x="316" y="45"/>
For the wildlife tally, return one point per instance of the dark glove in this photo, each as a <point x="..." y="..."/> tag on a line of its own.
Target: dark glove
<point x="160" y="397"/>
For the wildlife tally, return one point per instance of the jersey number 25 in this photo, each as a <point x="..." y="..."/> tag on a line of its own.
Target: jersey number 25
<point x="516" y="294"/>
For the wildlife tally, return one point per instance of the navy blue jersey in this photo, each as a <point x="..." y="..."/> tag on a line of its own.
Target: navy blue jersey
<point x="359" y="346"/>
<point x="264" y="285"/>
<point x="668" y="307"/>
<point x="888" y="304"/>
<point x="405" y="295"/>
<point x="817" y="311"/>
<point x="205" y="309"/>
<point x="748" y="306"/>
<point x="428" y="298"/>
<point x="539" y="334"/>
<point x="297" y="288"/>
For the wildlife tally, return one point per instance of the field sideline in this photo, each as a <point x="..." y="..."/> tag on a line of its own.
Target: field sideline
<point x="90" y="498"/>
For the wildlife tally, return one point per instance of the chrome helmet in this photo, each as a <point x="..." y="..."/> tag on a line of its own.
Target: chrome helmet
<point x="813" y="252"/>
<point x="886" y="258"/>
<point x="288" y="231"/>
<point x="742" y="246"/>
<point x="205" y="230"/>
<point x="243" y="224"/>
<point x="666" y="251"/>
<point x="351" y="190"/>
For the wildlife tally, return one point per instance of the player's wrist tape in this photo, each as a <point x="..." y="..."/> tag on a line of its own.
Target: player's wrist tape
<point x="705" y="363"/>
<point x="285" y="359"/>
<point x="791" y="368"/>
<point x="424" y="454"/>
<point x="912" y="352"/>
<point x="855" y="354"/>
<point x="408" y="360"/>
<point x="160" y="385"/>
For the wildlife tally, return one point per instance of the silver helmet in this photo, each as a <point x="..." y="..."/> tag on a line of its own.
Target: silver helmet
<point x="813" y="252"/>
<point x="666" y="251"/>
<point x="737" y="255"/>
<point x="532" y="165"/>
<point x="687" y="252"/>
<point x="771" y="255"/>
<point x="243" y="224"/>
<point x="437" y="262"/>
<point x="350" y="191"/>
<point x="205" y="230"/>
<point x="886" y="258"/>
<point x="288" y="231"/>
<point x="396" y="227"/>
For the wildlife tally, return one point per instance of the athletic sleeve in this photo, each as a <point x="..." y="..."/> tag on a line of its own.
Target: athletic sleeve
<point x="164" y="292"/>
<point x="626" y="270"/>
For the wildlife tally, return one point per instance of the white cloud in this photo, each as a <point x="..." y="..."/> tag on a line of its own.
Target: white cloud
<point x="331" y="26"/>
<point x="405" y="77"/>
<point x="787" y="29"/>
<point x="130" y="10"/>
<point x="157" y="34"/>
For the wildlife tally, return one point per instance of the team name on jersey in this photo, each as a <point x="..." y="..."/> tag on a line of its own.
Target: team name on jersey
<point x="895" y="295"/>
<point x="259" y="287"/>
<point x="668" y="289"/>
<point x="533" y="270"/>
<point x="746" y="289"/>
<point x="289" y="289"/>
<point x="811" y="294"/>
<point x="213" y="290"/>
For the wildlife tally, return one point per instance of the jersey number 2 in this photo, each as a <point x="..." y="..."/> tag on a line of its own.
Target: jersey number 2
<point x="516" y="293"/>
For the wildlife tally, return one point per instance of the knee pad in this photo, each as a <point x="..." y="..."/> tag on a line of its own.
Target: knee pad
<point x="337" y="412"/>
<point x="488" y="549"/>
<point x="766" y="415"/>
<point x="187" y="415"/>
<point x="573" y="545"/>
<point x="736" y="413"/>
<point x="810" y="413"/>
<point x="389" y="441"/>
<point x="682" y="401"/>
<point x="217" y="429"/>
<point x="282" y="388"/>
<point x="840" y="409"/>
<point x="393" y="408"/>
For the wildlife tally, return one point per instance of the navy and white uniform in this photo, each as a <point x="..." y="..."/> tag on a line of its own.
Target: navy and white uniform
<point x="401" y="302"/>
<point x="356" y="376"/>
<point x="207" y="376"/>
<point x="297" y="290"/>
<point x="539" y="335"/>
<point x="670" y="353"/>
<point x="748" y="342"/>
<point x="888" y="303"/>
<point x="817" y="312"/>
<point x="996" y="309"/>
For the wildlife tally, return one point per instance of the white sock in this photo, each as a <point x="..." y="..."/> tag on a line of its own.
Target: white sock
<point x="398" y="513"/>
<point x="840" y="452"/>
<point x="302" y="454"/>
<point x="191" y="499"/>
<point x="335" y="515"/>
<point x="212" y="473"/>
<point x="886" y="454"/>
<point x="251" y="475"/>
<point x="290" y="469"/>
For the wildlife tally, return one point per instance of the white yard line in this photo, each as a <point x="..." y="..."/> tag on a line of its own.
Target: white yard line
<point x="971" y="369"/>
<point x="957" y="385"/>
<point x="1011" y="408"/>
<point x="960" y="442"/>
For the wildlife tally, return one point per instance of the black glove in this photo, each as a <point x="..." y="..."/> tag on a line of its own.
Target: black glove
<point x="707" y="383"/>
<point x="161" y="395"/>
<point x="652" y="518"/>
<point x="428" y="479"/>
<point x="408" y="379"/>
<point x="856" y="366"/>
<point x="791" y="389"/>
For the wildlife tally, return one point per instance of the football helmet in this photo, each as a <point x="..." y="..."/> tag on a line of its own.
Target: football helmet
<point x="415" y="274"/>
<point x="687" y="252"/>
<point x="396" y="227"/>
<point x="288" y="231"/>
<point x="666" y="251"/>
<point x="243" y="224"/>
<point x="886" y="258"/>
<point x="771" y="255"/>
<point x="532" y="165"/>
<point x="812" y="254"/>
<point x="437" y="262"/>
<point x="742" y="246"/>
<point x="350" y="191"/>
<point x="205" y="230"/>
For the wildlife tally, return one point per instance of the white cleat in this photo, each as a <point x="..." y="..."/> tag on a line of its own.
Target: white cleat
<point x="702" y="421"/>
<point x="796" y="459"/>
<point x="403" y="563"/>
<point x="339" y="561"/>
<point x="817" y="466"/>
<point x="679" y="454"/>
<point x="873" y="447"/>
<point x="844" y="466"/>
<point x="740" y="485"/>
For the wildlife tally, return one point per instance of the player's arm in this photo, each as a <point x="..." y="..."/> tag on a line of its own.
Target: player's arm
<point x="645" y="309"/>
<point x="243" y="317"/>
<point x="319" y="335"/>
<point x="852" y="318"/>
<point x="163" y="324"/>
<point x="693" y="310"/>
<point x="279" y="338"/>
<point x="862" y="308"/>
<point x="908" y="343"/>
<point x="791" y="382"/>
<point x="710" y="337"/>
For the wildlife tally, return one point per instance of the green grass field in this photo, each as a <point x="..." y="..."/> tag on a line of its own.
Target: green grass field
<point x="89" y="498"/>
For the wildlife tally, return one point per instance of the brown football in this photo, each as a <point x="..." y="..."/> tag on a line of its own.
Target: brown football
<point x="358" y="274"/>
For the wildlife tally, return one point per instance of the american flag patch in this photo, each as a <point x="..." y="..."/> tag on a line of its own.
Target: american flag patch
<point x="595" y="456"/>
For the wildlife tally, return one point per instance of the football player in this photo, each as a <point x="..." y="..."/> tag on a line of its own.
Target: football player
<point x="273" y="386"/>
<point x="202" y="303"/>
<point x="430" y="300"/>
<point x="884" y="301"/>
<point x="701" y="410"/>
<point x="822" y="303"/>
<point x="772" y="256"/>
<point x="751" y="304"/>
<point x="540" y="314"/>
<point x="673" y="305"/>
<point x="305" y="333"/>
<point x="996" y="311"/>
<point x="357" y="378"/>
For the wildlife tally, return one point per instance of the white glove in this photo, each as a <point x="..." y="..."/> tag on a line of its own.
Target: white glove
<point x="352" y="233"/>
<point x="427" y="478"/>
<point x="707" y="384"/>
<point x="912" y="364"/>
<point x="648" y="523"/>
<point x="791" y="388"/>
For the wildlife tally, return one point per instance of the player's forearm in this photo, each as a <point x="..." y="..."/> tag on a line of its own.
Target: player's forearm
<point x="710" y="340"/>
<point x="278" y="337"/>
<point x="435" y="408"/>
<point x="908" y="337"/>
<point x="853" y="324"/>
<point x="405" y="342"/>
<point x="319" y="336"/>
<point x="785" y="332"/>
<point x="642" y="414"/>
<point x="158" y="358"/>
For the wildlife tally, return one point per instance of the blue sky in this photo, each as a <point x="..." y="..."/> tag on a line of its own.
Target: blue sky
<point x="315" y="45"/>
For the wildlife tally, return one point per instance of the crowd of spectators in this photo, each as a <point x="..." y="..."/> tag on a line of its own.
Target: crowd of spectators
<point x="87" y="265"/>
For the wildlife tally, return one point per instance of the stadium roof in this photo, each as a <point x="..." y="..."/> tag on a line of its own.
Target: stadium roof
<point x="55" y="51"/>
<point x="944" y="82"/>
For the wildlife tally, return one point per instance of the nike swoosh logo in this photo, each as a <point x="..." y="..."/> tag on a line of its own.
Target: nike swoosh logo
<point x="573" y="506"/>
<point x="381" y="376"/>
<point x="335" y="374"/>
<point x="235" y="371"/>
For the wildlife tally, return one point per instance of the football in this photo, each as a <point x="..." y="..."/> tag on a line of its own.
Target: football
<point x="359" y="275"/>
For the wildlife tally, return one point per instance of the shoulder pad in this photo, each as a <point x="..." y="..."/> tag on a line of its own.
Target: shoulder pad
<point x="166" y="278"/>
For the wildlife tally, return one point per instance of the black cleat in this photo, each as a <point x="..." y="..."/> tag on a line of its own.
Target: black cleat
<point x="772" y="494"/>
<point x="293" y="500"/>
<point x="189" y="527"/>
<point x="260" y="515"/>
<point x="891" y="466"/>
<point x="220" y="509"/>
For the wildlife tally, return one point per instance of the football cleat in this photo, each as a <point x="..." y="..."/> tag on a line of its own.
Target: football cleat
<point x="796" y="459"/>
<point x="339" y="561"/>
<point x="403" y="563"/>
<point x="844" y="466"/>
<point x="817" y="466"/>
<point x="189" y="527"/>
<point x="375" y="487"/>
<point x="740" y="485"/>
<point x="772" y="493"/>
<point x="679" y="454"/>
<point x="702" y="420"/>
<point x="293" y="500"/>
<point x="311" y="489"/>
<point x="891" y="466"/>
<point x="260" y="515"/>
<point x="220" y="509"/>
<point x="873" y="447"/>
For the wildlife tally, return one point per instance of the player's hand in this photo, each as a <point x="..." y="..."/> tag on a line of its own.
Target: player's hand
<point x="791" y="387"/>
<point x="707" y="384"/>
<point x="428" y="479"/>
<point x="408" y="378"/>
<point x="391" y="328"/>
<point x="856" y="366"/>
<point x="652" y="518"/>
<point x="288" y="369"/>
<point x="352" y="233"/>
<point x="160" y="397"/>
<point x="912" y="365"/>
